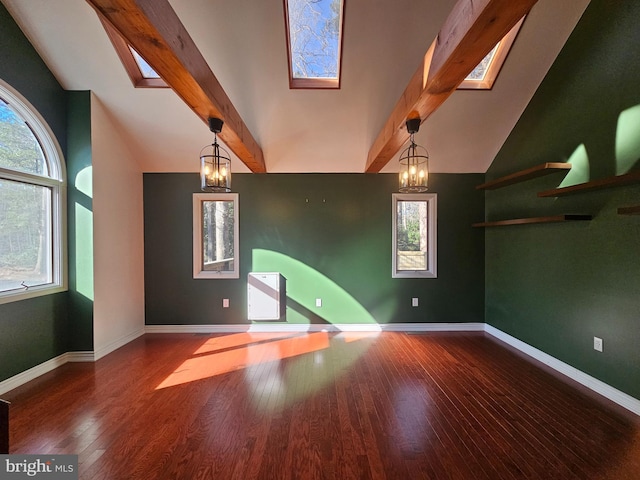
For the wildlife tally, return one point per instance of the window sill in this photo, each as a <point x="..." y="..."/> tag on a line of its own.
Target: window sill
<point x="32" y="292"/>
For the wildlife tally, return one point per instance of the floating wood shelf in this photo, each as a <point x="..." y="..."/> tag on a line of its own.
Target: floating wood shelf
<point x="524" y="221"/>
<point x="521" y="176"/>
<point x="635" y="210"/>
<point x="608" y="182"/>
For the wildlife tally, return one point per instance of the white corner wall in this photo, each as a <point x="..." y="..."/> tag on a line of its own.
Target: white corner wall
<point x="118" y="235"/>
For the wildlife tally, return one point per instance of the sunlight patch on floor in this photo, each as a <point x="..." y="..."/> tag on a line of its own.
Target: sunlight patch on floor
<point x="212" y="364"/>
<point x="240" y="339"/>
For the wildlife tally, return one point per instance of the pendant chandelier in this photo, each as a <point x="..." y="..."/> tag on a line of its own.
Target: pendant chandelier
<point x="215" y="163"/>
<point x="414" y="163"/>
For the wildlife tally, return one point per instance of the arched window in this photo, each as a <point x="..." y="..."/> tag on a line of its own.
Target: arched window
<point x="32" y="202"/>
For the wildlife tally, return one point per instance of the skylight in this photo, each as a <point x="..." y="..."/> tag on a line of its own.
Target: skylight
<point x="484" y="75"/>
<point x="314" y="42"/>
<point x="142" y="74"/>
<point x="480" y="72"/>
<point x="145" y="69"/>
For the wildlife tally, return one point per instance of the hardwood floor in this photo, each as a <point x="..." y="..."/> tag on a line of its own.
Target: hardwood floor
<point x="326" y="406"/>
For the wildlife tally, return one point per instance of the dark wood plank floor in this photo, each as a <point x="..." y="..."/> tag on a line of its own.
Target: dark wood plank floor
<point x="325" y="406"/>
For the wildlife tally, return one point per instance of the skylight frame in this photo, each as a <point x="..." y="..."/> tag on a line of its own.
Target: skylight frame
<point x="495" y="66"/>
<point x="125" y="53"/>
<point x="314" y="82"/>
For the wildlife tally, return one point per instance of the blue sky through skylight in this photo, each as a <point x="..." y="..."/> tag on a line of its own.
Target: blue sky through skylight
<point x="146" y="69"/>
<point x="314" y="38"/>
<point x="480" y="71"/>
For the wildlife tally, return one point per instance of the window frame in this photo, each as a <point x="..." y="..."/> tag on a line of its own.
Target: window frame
<point x="311" y="83"/>
<point x="432" y="235"/>
<point x="496" y="64"/>
<point x="198" y="272"/>
<point x="125" y="54"/>
<point x="55" y="181"/>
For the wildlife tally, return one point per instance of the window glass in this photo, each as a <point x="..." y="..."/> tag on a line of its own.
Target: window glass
<point x="414" y="235"/>
<point x="31" y="202"/>
<point x="25" y="235"/>
<point x="19" y="147"/>
<point x="141" y="73"/>
<point x="481" y="69"/>
<point x="218" y="235"/>
<point x="215" y="235"/>
<point x="146" y="70"/>
<point x="314" y="29"/>
<point x="486" y="72"/>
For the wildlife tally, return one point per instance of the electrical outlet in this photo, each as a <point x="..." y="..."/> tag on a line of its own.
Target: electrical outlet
<point x="225" y="303"/>
<point x="414" y="302"/>
<point x="318" y="302"/>
<point x="597" y="344"/>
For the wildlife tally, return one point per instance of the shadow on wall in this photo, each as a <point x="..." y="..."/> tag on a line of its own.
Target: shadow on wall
<point x="305" y="285"/>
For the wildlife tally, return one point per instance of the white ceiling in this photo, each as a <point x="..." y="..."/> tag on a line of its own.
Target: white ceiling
<point x="300" y="130"/>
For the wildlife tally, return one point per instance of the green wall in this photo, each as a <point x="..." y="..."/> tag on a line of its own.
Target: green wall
<point x="331" y="234"/>
<point x="553" y="286"/>
<point x="556" y="286"/>
<point x="35" y="330"/>
<point x="23" y="69"/>
<point x="79" y="219"/>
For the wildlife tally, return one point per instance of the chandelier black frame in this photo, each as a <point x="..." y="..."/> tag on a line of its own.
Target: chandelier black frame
<point x="215" y="163"/>
<point x="414" y="163"/>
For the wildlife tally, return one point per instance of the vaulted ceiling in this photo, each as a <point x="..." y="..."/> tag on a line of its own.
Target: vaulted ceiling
<point x="243" y="43"/>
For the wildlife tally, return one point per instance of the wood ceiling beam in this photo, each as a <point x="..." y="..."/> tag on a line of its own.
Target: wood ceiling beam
<point x="155" y="31"/>
<point x="471" y="30"/>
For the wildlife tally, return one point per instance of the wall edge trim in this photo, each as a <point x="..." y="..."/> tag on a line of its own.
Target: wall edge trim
<point x="116" y="344"/>
<point x="32" y="373"/>
<point x="86" y="356"/>
<point x="624" y="400"/>
<point x="67" y="357"/>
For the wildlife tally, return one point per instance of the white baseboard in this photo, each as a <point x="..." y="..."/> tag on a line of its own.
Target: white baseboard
<point x="302" y="327"/>
<point x="82" y="356"/>
<point x="34" y="372"/>
<point x="433" y="327"/>
<point x="627" y="401"/>
<point x="116" y="344"/>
